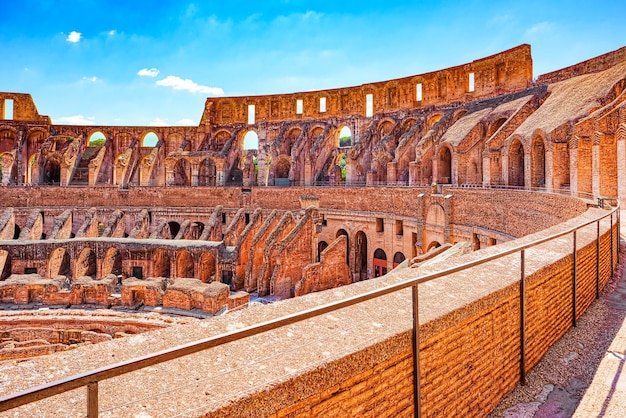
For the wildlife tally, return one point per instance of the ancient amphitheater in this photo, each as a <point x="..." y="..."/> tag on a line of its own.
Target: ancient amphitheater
<point x="271" y="256"/>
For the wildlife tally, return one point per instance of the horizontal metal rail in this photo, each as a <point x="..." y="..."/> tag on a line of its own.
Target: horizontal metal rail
<point x="89" y="379"/>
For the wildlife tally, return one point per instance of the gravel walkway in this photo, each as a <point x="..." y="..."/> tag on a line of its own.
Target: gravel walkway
<point x="556" y="385"/>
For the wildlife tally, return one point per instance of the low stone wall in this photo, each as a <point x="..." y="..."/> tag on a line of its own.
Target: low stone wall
<point x="357" y="361"/>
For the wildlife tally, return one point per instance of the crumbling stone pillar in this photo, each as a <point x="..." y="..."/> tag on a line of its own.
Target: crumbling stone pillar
<point x="573" y="165"/>
<point x="486" y="168"/>
<point x="621" y="160"/>
<point x="548" y="169"/>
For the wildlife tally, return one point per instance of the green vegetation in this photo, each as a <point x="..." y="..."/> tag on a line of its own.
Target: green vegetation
<point x="97" y="142"/>
<point x="342" y="165"/>
<point x="345" y="141"/>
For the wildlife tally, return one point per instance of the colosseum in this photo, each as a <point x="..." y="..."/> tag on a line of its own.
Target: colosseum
<point x="267" y="261"/>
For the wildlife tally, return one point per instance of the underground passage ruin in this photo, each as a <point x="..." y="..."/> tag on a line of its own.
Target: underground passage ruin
<point x="294" y="197"/>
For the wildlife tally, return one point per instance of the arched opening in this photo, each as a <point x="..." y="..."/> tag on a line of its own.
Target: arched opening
<point x="16" y="232"/>
<point x="150" y="140"/>
<point x="195" y="230"/>
<point x="345" y="233"/>
<point x="342" y="163"/>
<point x="97" y="139"/>
<point x="184" y="264"/>
<point x="345" y="137"/>
<point x="250" y="141"/>
<point x="361" y="255"/>
<point x="380" y="263"/>
<point x="537" y="163"/>
<point x="59" y="263"/>
<point x="182" y="173"/>
<point x="206" y="173"/>
<point x="112" y="262"/>
<point x="161" y="263"/>
<point x="321" y="246"/>
<point x="444" y="175"/>
<point x="433" y="244"/>
<point x="52" y="172"/>
<point x="86" y="263"/>
<point x="516" y="164"/>
<point x="206" y="268"/>
<point x="281" y="178"/>
<point x="397" y="259"/>
<point x="174" y="228"/>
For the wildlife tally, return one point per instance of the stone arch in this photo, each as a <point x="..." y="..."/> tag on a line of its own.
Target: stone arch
<point x="398" y="258"/>
<point x="182" y="173"/>
<point x="59" y="263"/>
<point x="385" y="126"/>
<point x="282" y="166"/>
<point x="85" y="263"/>
<point x="345" y="233"/>
<point x="495" y="126"/>
<point x="184" y="264"/>
<point x="220" y="139"/>
<point x="379" y="262"/>
<point x="434" y="228"/>
<point x="207" y="267"/>
<point x="8" y="137"/>
<point x="250" y="140"/>
<point x="360" y="259"/>
<point x="112" y="262"/>
<point x="207" y="173"/>
<point x="290" y="139"/>
<point x="444" y="165"/>
<point x="433" y="244"/>
<point x="51" y="171"/>
<point x="149" y="140"/>
<point x="96" y="139"/>
<point x="161" y="260"/>
<point x="538" y="160"/>
<point x="174" y="228"/>
<point x="458" y="114"/>
<point x="516" y="163"/>
<point x="344" y="136"/>
<point x="321" y="246"/>
<point x="432" y="119"/>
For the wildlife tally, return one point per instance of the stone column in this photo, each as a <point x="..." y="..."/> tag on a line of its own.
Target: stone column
<point x="220" y="176"/>
<point x="435" y="169"/>
<point x="392" y="172"/>
<point x="262" y="166"/>
<point x="195" y="168"/>
<point x="549" y="170"/>
<point x="595" y="164"/>
<point x="573" y="166"/>
<point x="527" y="171"/>
<point x="414" y="167"/>
<point x="454" y="169"/>
<point x="486" y="169"/>
<point x="505" y="167"/>
<point x="308" y="173"/>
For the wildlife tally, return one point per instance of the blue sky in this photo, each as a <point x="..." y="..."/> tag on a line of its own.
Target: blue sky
<point x="82" y="60"/>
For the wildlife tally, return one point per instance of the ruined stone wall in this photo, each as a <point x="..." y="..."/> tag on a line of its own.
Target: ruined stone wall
<point x="506" y="71"/>
<point x="24" y="108"/>
<point x="592" y="65"/>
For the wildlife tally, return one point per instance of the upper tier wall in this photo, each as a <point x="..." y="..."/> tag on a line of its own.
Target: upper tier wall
<point x="504" y="72"/>
<point x="20" y="107"/>
<point x="592" y="65"/>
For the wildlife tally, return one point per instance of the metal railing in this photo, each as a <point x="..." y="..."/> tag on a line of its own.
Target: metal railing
<point x="91" y="379"/>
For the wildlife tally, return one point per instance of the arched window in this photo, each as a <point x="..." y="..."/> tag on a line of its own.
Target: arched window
<point x="250" y="141"/>
<point x="380" y="263"/>
<point x="397" y="259"/>
<point x="150" y="140"/>
<point x="97" y="139"/>
<point x="345" y="137"/>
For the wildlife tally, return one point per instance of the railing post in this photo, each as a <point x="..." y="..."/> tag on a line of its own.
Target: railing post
<point x="416" y="348"/>
<point x="598" y="261"/>
<point x="522" y="326"/>
<point x="92" y="400"/>
<point x="574" y="283"/>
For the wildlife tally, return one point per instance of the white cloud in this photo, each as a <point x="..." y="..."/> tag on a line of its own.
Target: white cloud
<point x="112" y="32"/>
<point x="178" y="83"/>
<point x="75" y="120"/>
<point x="148" y="72"/>
<point x="186" y="121"/>
<point x="158" y="122"/>
<point x="92" y="79"/>
<point x="538" y="28"/>
<point x="74" y="37"/>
